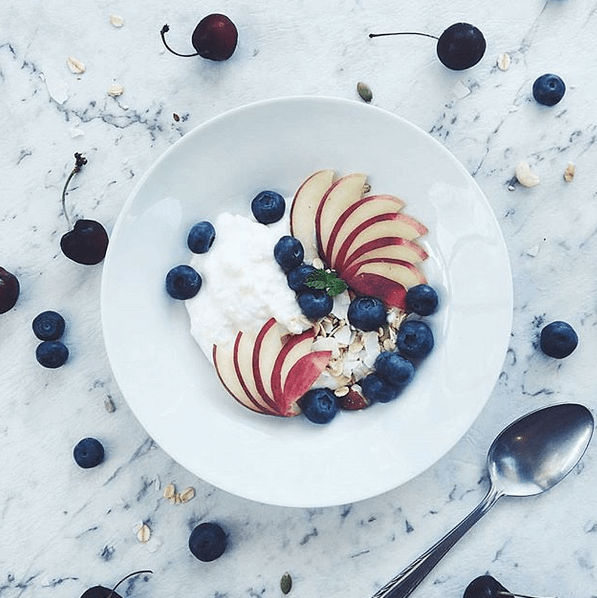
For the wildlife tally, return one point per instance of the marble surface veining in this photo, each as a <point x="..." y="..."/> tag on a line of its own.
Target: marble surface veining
<point x="63" y="529"/>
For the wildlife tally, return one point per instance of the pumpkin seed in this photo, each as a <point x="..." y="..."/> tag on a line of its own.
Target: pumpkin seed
<point x="286" y="583"/>
<point x="364" y="91"/>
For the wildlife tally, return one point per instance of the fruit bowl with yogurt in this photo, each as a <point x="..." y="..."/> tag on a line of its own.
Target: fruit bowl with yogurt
<point x="305" y="312"/>
<point x="212" y="174"/>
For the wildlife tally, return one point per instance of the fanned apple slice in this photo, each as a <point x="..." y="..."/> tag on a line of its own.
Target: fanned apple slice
<point x="390" y="224"/>
<point x="243" y="365"/>
<point x="374" y="285"/>
<point x="387" y="247"/>
<point x="304" y="207"/>
<point x="266" y="349"/>
<point x="340" y="195"/>
<point x="296" y="346"/>
<point x="302" y="375"/>
<point x="224" y="365"/>
<point x="359" y="211"/>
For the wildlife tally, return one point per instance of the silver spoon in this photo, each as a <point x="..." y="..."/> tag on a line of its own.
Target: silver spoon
<point x="528" y="457"/>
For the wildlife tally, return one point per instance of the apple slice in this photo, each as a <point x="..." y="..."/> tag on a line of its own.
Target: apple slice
<point x="387" y="247"/>
<point x="390" y="224"/>
<point x="340" y="195"/>
<point x="389" y="291"/>
<point x="303" y="209"/>
<point x="296" y="346"/>
<point x="224" y="365"/>
<point x="359" y="211"/>
<point x="301" y="377"/>
<point x="404" y="273"/>
<point x="266" y="349"/>
<point x="243" y="365"/>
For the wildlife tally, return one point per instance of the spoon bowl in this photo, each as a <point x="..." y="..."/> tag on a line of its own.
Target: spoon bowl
<point x="538" y="450"/>
<point x="528" y="457"/>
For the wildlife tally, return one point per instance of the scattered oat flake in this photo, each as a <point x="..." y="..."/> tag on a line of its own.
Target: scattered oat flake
<point x="569" y="172"/>
<point x="187" y="494"/>
<point x="108" y="402"/>
<point x="460" y="90"/>
<point x="504" y="61"/>
<point x="169" y="491"/>
<point x="525" y="176"/>
<point x="75" y="65"/>
<point x="115" y="90"/>
<point x="116" y="21"/>
<point x="143" y="533"/>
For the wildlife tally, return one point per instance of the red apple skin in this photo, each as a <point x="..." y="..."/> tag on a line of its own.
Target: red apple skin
<point x="248" y="384"/>
<point x="295" y="347"/>
<point x="369" y="206"/>
<point x="230" y="382"/>
<point x="304" y="207"/>
<point x="404" y="273"/>
<point x="302" y="375"/>
<point x="321" y="234"/>
<point x="268" y="338"/>
<point x="389" y="291"/>
<point x="412" y="227"/>
<point x="387" y="247"/>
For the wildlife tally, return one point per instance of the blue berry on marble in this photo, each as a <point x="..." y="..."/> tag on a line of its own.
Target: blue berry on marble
<point x="88" y="453"/>
<point x="549" y="89"/>
<point x="558" y="339"/>
<point x="48" y="325"/>
<point x="51" y="354"/>
<point x="208" y="541"/>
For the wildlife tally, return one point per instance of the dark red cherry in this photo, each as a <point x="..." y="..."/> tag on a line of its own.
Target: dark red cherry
<point x="9" y="290"/>
<point x="87" y="241"/>
<point x="102" y="592"/>
<point x="214" y="38"/>
<point x="459" y="47"/>
<point x="485" y="586"/>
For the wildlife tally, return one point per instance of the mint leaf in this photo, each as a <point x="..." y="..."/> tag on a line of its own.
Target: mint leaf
<point x="326" y="280"/>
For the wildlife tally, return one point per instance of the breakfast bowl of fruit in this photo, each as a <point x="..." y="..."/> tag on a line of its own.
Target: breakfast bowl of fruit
<point x="306" y="301"/>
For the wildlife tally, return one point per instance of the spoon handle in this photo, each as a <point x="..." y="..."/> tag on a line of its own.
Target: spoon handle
<point x="406" y="581"/>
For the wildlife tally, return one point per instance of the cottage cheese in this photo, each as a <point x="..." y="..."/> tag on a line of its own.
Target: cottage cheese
<point x="243" y="286"/>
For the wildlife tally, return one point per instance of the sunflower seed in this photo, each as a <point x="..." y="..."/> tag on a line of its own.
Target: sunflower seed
<point x="143" y="533"/>
<point x="503" y="61"/>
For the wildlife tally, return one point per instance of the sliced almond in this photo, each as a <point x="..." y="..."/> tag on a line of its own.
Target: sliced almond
<point x="342" y="391"/>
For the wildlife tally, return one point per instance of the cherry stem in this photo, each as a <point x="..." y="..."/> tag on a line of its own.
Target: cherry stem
<point x="125" y="578"/>
<point x="163" y="32"/>
<point x="404" y="33"/>
<point x="80" y="161"/>
<point x="513" y="595"/>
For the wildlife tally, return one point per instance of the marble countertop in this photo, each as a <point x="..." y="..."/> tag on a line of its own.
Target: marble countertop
<point x="65" y="529"/>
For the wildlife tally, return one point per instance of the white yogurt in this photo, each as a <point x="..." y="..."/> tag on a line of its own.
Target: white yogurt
<point x="243" y="286"/>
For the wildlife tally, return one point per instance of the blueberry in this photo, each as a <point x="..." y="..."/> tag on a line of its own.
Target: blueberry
<point x="548" y="89"/>
<point x="88" y="453"/>
<point x="207" y="541"/>
<point x="319" y="405"/>
<point x="315" y="303"/>
<point x="422" y="300"/>
<point x="378" y="390"/>
<point x="51" y="354"/>
<point x="183" y="282"/>
<point x="415" y="339"/>
<point x="268" y="207"/>
<point x="289" y="253"/>
<point x="297" y="277"/>
<point x="201" y="237"/>
<point x="48" y="326"/>
<point x="558" y="339"/>
<point x="367" y="313"/>
<point x="394" y="369"/>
